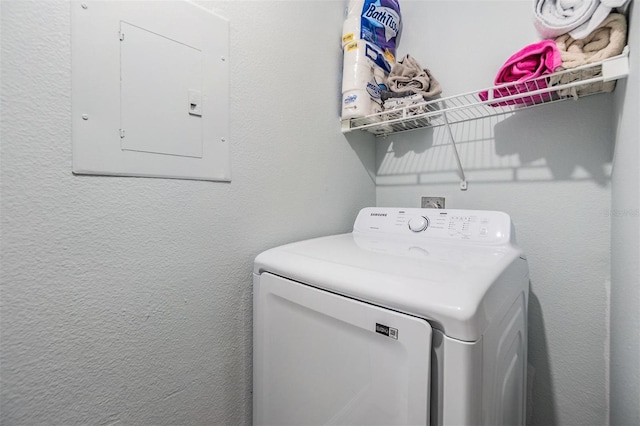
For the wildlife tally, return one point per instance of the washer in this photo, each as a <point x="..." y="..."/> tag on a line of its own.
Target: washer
<point x="417" y="317"/>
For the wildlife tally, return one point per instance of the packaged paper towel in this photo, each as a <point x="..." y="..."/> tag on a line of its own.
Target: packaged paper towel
<point x="357" y="104"/>
<point x="360" y="61"/>
<point x="375" y="21"/>
<point x="364" y="73"/>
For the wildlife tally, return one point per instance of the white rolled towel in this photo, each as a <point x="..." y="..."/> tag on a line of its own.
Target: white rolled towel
<point x="576" y="17"/>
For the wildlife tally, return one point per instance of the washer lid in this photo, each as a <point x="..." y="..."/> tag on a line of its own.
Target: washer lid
<point x="459" y="287"/>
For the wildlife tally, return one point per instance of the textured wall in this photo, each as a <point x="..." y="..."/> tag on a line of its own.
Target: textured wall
<point x="625" y="243"/>
<point x="549" y="168"/>
<point x="127" y="300"/>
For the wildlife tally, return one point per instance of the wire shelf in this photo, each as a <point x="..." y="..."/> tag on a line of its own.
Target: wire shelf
<point x="502" y="99"/>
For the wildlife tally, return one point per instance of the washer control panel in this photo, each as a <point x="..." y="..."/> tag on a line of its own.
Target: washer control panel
<point x="452" y="224"/>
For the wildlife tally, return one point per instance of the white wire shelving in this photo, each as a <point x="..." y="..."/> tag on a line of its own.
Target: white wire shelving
<point x="574" y="83"/>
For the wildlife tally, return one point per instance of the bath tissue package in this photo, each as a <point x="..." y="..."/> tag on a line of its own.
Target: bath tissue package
<point x="364" y="73"/>
<point x="375" y="21"/>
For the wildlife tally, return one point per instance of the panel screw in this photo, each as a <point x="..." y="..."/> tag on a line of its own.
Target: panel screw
<point x="84" y="6"/>
<point x="85" y="116"/>
<point x="222" y="139"/>
<point x="222" y="58"/>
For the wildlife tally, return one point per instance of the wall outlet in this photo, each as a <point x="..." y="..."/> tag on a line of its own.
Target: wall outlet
<point x="433" y="202"/>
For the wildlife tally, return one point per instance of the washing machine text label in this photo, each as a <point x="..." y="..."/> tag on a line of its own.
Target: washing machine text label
<point x="387" y="331"/>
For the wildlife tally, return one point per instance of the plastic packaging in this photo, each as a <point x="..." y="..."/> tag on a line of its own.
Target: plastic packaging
<point x="364" y="74"/>
<point x="376" y="21"/>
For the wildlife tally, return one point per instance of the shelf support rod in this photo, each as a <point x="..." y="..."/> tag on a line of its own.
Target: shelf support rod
<point x="463" y="179"/>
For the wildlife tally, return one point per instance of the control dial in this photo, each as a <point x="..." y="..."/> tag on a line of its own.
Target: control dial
<point x="418" y="223"/>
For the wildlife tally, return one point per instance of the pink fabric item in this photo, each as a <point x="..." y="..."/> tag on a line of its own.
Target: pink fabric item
<point x="524" y="67"/>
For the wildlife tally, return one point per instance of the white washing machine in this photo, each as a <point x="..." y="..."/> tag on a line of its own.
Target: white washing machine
<point x="417" y="317"/>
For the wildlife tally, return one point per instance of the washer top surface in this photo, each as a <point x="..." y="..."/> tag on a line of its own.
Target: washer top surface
<point x="453" y="267"/>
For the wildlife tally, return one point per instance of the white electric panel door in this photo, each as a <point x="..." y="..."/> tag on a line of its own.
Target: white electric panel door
<point x="324" y="359"/>
<point x="154" y="94"/>
<point x="150" y="90"/>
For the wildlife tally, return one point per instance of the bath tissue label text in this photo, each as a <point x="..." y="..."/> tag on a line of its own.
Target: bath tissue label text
<point x="383" y="17"/>
<point x="376" y="21"/>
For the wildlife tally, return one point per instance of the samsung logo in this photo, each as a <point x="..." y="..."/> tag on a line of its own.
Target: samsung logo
<point x="378" y="214"/>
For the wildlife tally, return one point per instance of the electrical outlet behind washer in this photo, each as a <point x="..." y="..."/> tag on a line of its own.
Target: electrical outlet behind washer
<point x="432" y="202"/>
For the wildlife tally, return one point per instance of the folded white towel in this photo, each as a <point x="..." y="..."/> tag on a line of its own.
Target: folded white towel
<point x="606" y="41"/>
<point x="577" y="17"/>
<point x="599" y="15"/>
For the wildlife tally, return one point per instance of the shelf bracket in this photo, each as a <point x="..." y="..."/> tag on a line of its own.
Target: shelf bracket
<point x="463" y="179"/>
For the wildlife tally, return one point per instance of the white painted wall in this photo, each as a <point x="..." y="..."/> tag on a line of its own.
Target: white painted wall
<point x="127" y="300"/>
<point x="549" y="168"/>
<point x="625" y="241"/>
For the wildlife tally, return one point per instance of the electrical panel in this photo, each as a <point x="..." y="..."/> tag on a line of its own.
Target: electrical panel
<point x="150" y="90"/>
